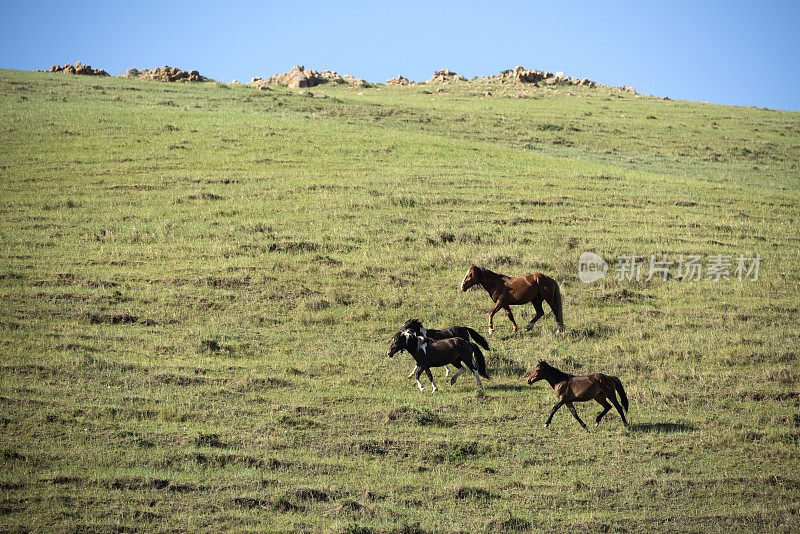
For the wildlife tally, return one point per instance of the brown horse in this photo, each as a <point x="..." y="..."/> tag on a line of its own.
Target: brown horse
<point x="507" y="291"/>
<point x="571" y="388"/>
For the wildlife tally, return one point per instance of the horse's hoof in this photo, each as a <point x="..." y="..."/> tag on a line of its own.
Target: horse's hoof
<point x="435" y="390"/>
<point x="491" y="331"/>
<point x="546" y="425"/>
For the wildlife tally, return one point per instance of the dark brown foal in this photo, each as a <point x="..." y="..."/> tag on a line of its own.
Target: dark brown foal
<point x="415" y="326"/>
<point x="570" y="388"/>
<point x="428" y="353"/>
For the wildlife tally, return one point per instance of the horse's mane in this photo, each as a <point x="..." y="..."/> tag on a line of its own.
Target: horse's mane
<point x="411" y="323"/>
<point x="557" y="374"/>
<point x="484" y="271"/>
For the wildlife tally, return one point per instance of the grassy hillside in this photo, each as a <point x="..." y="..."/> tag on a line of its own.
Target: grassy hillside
<point x="199" y="283"/>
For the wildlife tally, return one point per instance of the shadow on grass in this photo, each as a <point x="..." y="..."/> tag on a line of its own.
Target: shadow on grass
<point x="508" y="387"/>
<point x="661" y="427"/>
<point x="518" y="335"/>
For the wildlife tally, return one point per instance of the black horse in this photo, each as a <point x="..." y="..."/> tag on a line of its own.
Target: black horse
<point x="464" y="332"/>
<point x="437" y="353"/>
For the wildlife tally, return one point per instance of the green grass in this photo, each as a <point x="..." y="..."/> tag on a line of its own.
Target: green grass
<point x="199" y="283"/>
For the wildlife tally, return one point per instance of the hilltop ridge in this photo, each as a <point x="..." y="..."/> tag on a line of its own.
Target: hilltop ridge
<point x="299" y="77"/>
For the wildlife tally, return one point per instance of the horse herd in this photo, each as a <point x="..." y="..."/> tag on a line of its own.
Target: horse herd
<point x="460" y="346"/>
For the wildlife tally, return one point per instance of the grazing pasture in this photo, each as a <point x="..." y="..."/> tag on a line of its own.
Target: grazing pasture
<point x="199" y="283"/>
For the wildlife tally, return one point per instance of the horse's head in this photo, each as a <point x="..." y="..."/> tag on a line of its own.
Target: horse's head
<point x="539" y="372"/>
<point x="397" y="344"/>
<point x="404" y="339"/>
<point x="412" y="324"/>
<point x="472" y="277"/>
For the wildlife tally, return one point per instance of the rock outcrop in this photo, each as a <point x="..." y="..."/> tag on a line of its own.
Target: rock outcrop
<point x="165" y="74"/>
<point x="400" y="80"/>
<point x="538" y="77"/>
<point x="446" y="76"/>
<point x="78" y="68"/>
<point x="300" y="77"/>
<point x="331" y="76"/>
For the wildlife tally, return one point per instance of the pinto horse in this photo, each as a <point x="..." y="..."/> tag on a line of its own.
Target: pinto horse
<point x="464" y="332"/>
<point x="436" y="353"/>
<point x="514" y="290"/>
<point x="570" y="388"/>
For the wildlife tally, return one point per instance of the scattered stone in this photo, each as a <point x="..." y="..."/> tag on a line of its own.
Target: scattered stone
<point x="488" y="93"/>
<point x="360" y="93"/>
<point x="400" y="80"/>
<point x="235" y="82"/>
<point x="319" y="95"/>
<point x="79" y="68"/>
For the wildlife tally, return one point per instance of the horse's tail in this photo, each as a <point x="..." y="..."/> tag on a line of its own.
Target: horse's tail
<point x="479" y="339"/>
<point x="481" y="363"/>
<point x="558" y="305"/>
<point x="622" y="396"/>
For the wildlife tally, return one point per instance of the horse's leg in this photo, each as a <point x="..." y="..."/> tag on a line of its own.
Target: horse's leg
<point x="574" y="412"/>
<point x="461" y="370"/>
<point x="478" y="378"/>
<point x="537" y="305"/>
<point x="472" y="365"/>
<point x="495" y="309"/>
<point x="416" y="377"/>
<point x="430" y="377"/>
<point x="613" y="399"/>
<point x="510" y="316"/>
<point x="606" y="407"/>
<point x="414" y="370"/>
<point x="552" y="413"/>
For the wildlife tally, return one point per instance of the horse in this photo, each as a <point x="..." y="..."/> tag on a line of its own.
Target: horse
<point x="570" y="388"/>
<point x="436" y="353"/>
<point x="507" y="291"/>
<point x="464" y="332"/>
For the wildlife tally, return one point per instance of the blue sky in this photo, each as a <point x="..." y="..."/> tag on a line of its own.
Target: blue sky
<point x="742" y="53"/>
